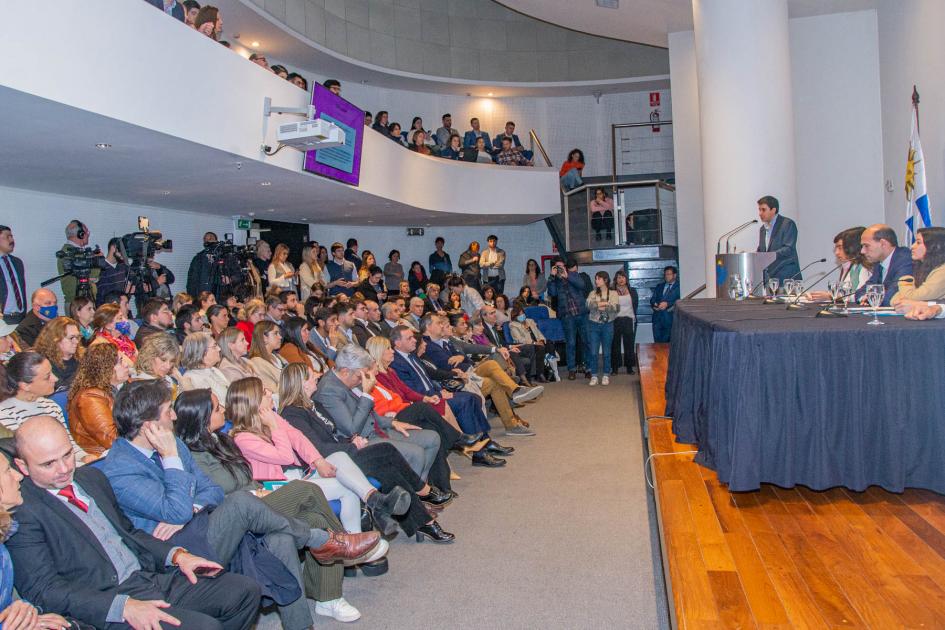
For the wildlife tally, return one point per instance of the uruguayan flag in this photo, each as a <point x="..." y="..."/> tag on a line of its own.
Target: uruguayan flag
<point x="917" y="198"/>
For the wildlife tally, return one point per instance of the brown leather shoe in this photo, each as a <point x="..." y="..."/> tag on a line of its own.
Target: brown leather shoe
<point x="345" y="546"/>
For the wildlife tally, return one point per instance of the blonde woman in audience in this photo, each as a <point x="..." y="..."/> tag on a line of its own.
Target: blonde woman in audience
<point x="233" y="349"/>
<point x="158" y="359"/>
<point x="251" y="314"/>
<point x="200" y="356"/>
<point x="205" y="300"/>
<point x="367" y="261"/>
<point x="180" y="300"/>
<point x="60" y="343"/>
<point x="102" y="372"/>
<point x="311" y="271"/>
<point x="282" y="275"/>
<point x="277" y="451"/>
<point x="267" y="339"/>
<point x="111" y="327"/>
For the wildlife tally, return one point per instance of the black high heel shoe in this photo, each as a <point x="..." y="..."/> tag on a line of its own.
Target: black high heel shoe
<point x="435" y="533"/>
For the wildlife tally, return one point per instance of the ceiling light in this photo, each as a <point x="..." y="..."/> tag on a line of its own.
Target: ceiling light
<point x="254" y="44"/>
<point x="609" y="4"/>
<point x="265" y="183"/>
<point x="252" y="214"/>
<point x="166" y="192"/>
<point x="103" y="145"/>
<point x="351" y="203"/>
<point x="489" y="94"/>
<point x="271" y="210"/>
<point x="303" y="218"/>
<point x="370" y="220"/>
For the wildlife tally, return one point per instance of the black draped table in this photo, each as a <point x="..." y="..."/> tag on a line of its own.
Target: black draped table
<point x="777" y="396"/>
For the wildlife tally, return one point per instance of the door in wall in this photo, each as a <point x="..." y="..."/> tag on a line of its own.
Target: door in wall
<point x="295" y="235"/>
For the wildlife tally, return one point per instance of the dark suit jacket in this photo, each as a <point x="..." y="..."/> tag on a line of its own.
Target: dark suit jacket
<point x="360" y="332"/>
<point x="440" y="356"/>
<point x="60" y="565"/>
<point x="784" y="243"/>
<point x="900" y="265"/>
<point x="409" y="376"/>
<point x="469" y="140"/>
<point x="428" y="305"/>
<point x="21" y="281"/>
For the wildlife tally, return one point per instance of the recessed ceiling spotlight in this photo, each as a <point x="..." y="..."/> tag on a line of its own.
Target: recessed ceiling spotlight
<point x="489" y="94"/>
<point x="303" y="218"/>
<point x="370" y="220"/>
<point x="102" y="145"/>
<point x="271" y="210"/>
<point x="351" y="203"/>
<point x="265" y="183"/>
<point x="166" y="192"/>
<point x="254" y="44"/>
<point x="347" y="214"/>
<point x="252" y="214"/>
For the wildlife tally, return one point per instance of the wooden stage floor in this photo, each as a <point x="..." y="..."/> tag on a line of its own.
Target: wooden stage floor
<point x="788" y="558"/>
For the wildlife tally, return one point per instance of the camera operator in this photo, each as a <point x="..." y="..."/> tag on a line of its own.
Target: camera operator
<point x="113" y="277"/>
<point x="161" y="281"/>
<point x="571" y="288"/>
<point x="77" y="239"/>
<point x="201" y="267"/>
<point x="12" y="280"/>
<point x="215" y="267"/>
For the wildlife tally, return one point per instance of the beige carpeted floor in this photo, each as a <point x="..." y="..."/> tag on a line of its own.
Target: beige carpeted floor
<point x="559" y="538"/>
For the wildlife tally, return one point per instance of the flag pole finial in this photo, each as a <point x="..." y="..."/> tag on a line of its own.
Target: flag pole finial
<point x="915" y="105"/>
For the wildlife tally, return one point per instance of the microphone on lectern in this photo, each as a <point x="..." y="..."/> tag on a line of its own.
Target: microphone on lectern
<point x="730" y="234"/>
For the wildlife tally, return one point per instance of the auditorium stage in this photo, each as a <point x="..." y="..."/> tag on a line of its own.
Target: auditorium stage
<point x="788" y="558"/>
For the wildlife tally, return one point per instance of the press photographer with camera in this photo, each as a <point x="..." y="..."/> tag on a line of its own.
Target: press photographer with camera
<point x="218" y="265"/>
<point x="570" y="288"/>
<point x="77" y="264"/>
<point x="201" y="266"/>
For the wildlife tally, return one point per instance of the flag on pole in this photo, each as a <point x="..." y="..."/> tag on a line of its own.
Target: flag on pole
<point x="917" y="198"/>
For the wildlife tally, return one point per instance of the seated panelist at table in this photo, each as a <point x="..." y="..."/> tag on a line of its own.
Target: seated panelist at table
<point x="778" y="234"/>
<point x="927" y="281"/>
<point x="853" y="267"/>
<point x="880" y="247"/>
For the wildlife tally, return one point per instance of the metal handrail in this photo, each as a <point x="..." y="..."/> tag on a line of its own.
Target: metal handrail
<point x="613" y="137"/>
<point x="630" y="184"/>
<point x="541" y="148"/>
<point x="693" y="294"/>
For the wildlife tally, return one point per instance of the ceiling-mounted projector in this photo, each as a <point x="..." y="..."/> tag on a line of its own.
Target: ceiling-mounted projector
<point x="308" y="135"/>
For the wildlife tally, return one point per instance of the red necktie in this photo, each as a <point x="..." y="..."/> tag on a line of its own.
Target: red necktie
<point x="16" y="285"/>
<point x="69" y="494"/>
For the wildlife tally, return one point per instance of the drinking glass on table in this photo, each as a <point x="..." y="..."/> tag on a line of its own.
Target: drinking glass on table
<point x="773" y="284"/>
<point x="846" y="291"/>
<point x="833" y="287"/>
<point x="874" y="295"/>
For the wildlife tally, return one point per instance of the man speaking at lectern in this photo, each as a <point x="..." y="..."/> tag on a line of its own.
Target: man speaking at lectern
<point x="779" y="235"/>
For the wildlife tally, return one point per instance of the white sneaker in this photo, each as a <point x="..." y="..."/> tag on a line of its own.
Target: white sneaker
<point x="339" y="609"/>
<point x="605" y="380"/>
<point x="378" y="552"/>
<point x="593" y="382"/>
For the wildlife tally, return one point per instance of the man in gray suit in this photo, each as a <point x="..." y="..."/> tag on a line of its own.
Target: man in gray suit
<point x="345" y="392"/>
<point x="778" y="234"/>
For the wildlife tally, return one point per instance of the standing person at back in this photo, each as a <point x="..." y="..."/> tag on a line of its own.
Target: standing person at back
<point x="571" y="289"/>
<point x="663" y="300"/>
<point x="779" y="235"/>
<point x="492" y="263"/>
<point x="12" y="280"/>
<point x="440" y="264"/>
<point x="77" y="238"/>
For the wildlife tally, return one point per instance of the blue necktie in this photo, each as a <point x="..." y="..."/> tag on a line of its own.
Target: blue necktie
<point x="157" y="460"/>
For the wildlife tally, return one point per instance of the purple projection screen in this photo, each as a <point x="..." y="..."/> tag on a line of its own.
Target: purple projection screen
<point x="341" y="163"/>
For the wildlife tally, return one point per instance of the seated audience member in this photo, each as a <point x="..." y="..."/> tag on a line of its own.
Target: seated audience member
<point x="277" y="451"/>
<point x="509" y="134"/>
<point x="293" y="308"/>
<point x="446" y="132"/>
<point x="443" y="352"/>
<point x="82" y="310"/>
<point x="343" y="333"/>
<point x="17" y="613"/>
<point x="482" y="153"/>
<point x="431" y="301"/>
<point x="602" y="214"/>
<point x="333" y="86"/>
<point x="267" y="339"/>
<point x="414" y="313"/>
<point x="275" y="310"/>
<point x="181" y="299"/>
<point x="25" y="384"/>
<point x="170" y="501"/>
<point x="345" y="391"/>
<point x="280" y="71"/>
<point x="366" y="324"/>
<point x="101" y="373"/>
<point x="372" y="287"/>
<point x="58" y="569"/>
<point x="454" y="149"/>
<point x="342" y="274"/>
<point x="200" y="356"/>
<point x="380" y="123"/>
<point x="417" y="277"/>
<point x="393" y="270"/>
<point x="296" y="347"/>
<point x="502" y="315"/>
<point x="59" y="343"/>
<point x="368" y="118"/>
<point x="572" y="170"/>
<point x="393" y="133"/>
<point x="470" y="300"/>
<point x="192" y="7"/>
<point x="381" y="461"/>
<point x="508" y="156"/>
<point x="880" y="248"/>
<point x="251" y="314"/>
<point x="529" y="363"/>
<point x="524" y="330"/>
<point x="474" y="134"/>
<point x="623" y="350"/>
<point x="157" y="318"/>
<point x="218" y="318"/>
<point x="260" y="60"/>
<point x="404" y="291"/>
<point x="158" y="360"/>
<point x="170" y="7"/>
<point x="199" y="420"/>
<point x="8" y="343"/>
<point x="326" y="324"/>
<point x="453" y="303"/>
<point x="297" y="80"/>
<point x="488" y="295"/>
<point x="209" y="21"/>
<point x="928" y="258"/>
<point x="124" y="305"/>
<point x="205" y="299"/>
<point x="44" y="309"/>
<point x="113" y="328"/>
<point x="663" y="300"/>
<point x="526" y="297"/>
<point x="534" y="279"/>
<point x="415" y="127"/>
<point x="390" y="314"/>
<point x="187" y="321"/>
<point x="419" y="144"/>
<point x="234" y="348"/>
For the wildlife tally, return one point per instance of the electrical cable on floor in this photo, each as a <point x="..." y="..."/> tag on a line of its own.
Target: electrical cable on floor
<point x="646" y="464"/>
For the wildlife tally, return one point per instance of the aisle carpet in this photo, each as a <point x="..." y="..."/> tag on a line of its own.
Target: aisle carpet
<point x="559" y="538"/>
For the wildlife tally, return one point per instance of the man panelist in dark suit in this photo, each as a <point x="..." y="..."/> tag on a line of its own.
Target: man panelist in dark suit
<point x="880" y="246"/>
<point x="12" y="280"/>
<point x="779" y="235"/>
<point x="77" y="554"/>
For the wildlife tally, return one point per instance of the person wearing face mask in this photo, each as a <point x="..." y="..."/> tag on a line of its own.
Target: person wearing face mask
<point x="44" y="309"/>
<point x="112" y="327"/>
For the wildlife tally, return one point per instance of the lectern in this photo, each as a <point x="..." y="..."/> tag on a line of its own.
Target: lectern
<point x="750" y="268"/>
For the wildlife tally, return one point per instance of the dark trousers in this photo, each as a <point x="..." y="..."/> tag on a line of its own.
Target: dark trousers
<point x="575" y="337"/>
<point x="624" y="337"/>
<point x="603" y="222"/>
<point x="498" y="284"/>
<point x="467" y="407"/>
<point x="385" y="463"/>
<point x="426" y="417"/>
<point x="662" y="326"/>
<point x="226" y="602"/>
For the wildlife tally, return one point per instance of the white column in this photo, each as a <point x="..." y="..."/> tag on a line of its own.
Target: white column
<point x="746" y="115"/>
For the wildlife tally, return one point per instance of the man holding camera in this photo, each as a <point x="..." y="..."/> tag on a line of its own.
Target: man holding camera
<point x="77" y="240"/>
<point x="571" y="289"/>
<point x="113" y="277"/>
<point x="200" y="273"/>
